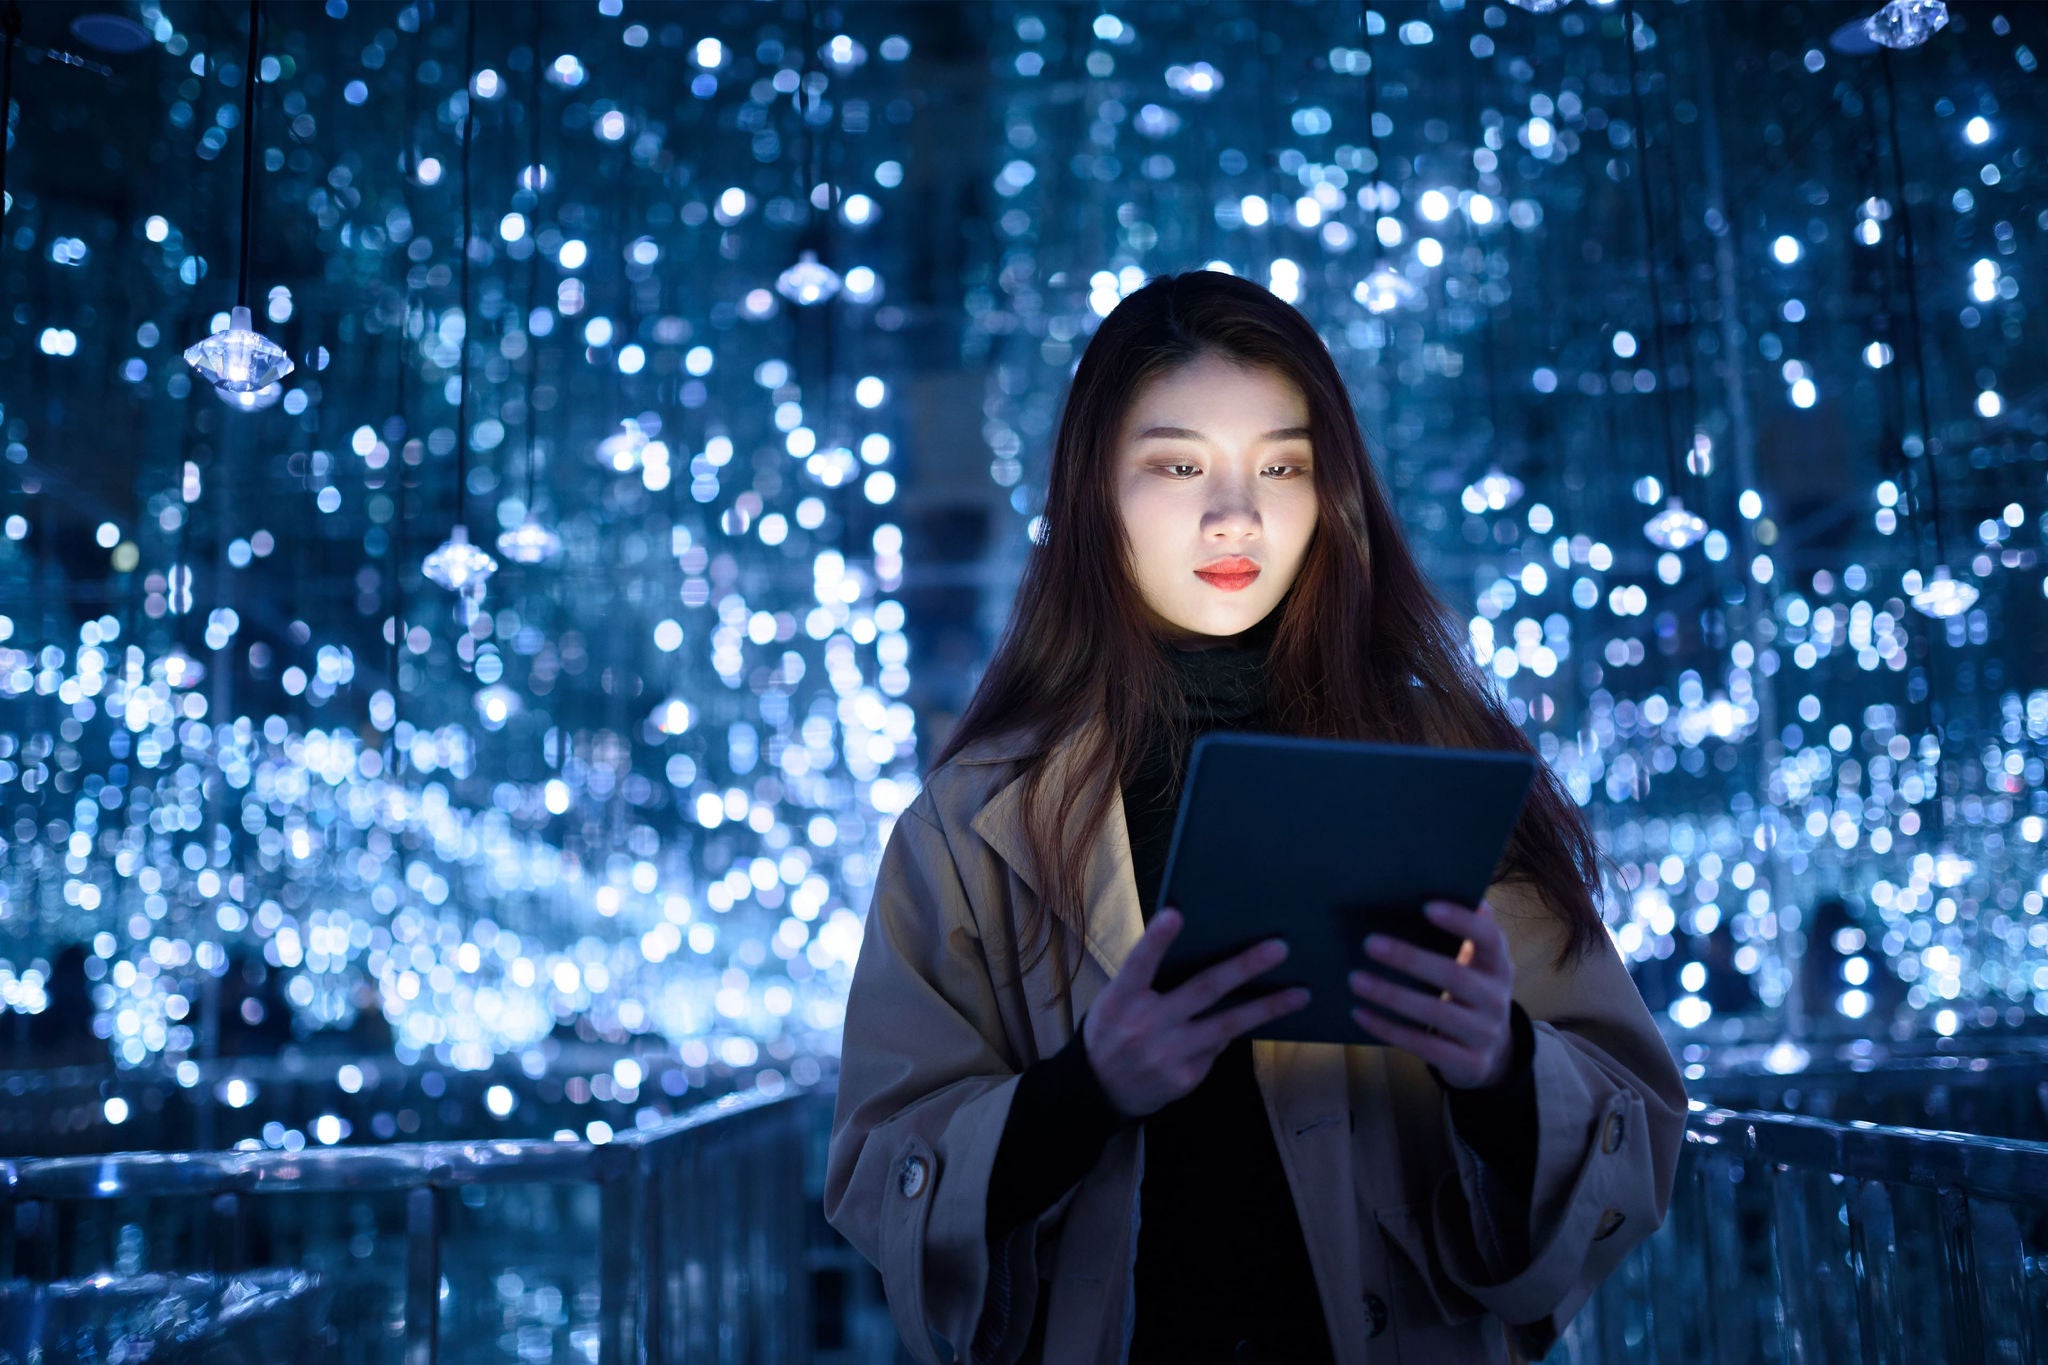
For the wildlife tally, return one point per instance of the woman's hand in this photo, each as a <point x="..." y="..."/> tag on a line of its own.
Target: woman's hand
<point x="1145" y="1048"/>
<point x="1466" y="1035"/>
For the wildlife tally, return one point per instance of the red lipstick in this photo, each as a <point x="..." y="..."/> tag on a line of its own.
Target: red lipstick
<point x="1233" y="573"/>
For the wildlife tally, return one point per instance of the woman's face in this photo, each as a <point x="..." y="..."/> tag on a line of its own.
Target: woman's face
<point x="1215" y="483"/>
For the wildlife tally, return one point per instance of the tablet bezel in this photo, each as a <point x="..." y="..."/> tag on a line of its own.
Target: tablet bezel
<point x="1498" y="783"/>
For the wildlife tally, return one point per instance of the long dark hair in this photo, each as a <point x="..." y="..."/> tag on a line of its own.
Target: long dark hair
<point x="1364" y="647"/>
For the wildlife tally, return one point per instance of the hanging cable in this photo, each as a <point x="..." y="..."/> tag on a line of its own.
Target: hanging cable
<point x="1636" y="138"/>
<point x="248" y="151"/>
<point x="1891" y="101"/>
<point x="468" y="195"/>
<point x="10" y="31"/>
<point x="1372" y="135"/>
<point x="535" y="180"/>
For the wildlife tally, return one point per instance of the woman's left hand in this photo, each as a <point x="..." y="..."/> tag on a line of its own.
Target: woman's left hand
<point x="1467" y="1035"/>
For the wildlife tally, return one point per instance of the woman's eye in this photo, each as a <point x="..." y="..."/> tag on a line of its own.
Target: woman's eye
<point x="1287" y="468"/>
<point x="1170" y="468"/>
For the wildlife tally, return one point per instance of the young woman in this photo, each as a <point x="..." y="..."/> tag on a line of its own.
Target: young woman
<point x="1050" y="1160"/>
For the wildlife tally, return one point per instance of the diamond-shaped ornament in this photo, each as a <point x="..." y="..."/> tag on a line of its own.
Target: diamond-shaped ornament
<point x="458" y="564"/>
<point x="239" y="358"/>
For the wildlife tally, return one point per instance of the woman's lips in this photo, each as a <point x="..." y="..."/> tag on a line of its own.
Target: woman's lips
<point x="1231" y="578"/>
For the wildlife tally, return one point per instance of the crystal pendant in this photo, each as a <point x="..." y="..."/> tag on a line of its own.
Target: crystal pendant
<point x="177" y="668"/>
<point x="1674" y="528"/>
<point x="1496" y="490"/>
<point x="1906" y="23"/>
<point x="1540" y="6"/>
<point x="1384" y="290"/>
<point x="255" y="400"/>
<point x="1941" y="596"/>
<point x="623" y="449"/>
<point x="808" y="281"/>
<point x="239" y="358"/>
<point x="1786" y="1058"/>
<point x="458" y="564"/>
<point x="529" y="542"/>
<point x="672" y="717"/>
<point x="497" y="704"/>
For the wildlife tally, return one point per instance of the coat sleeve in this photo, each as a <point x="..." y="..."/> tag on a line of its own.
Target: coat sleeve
<point x="925" y="1084"/>
<point x="1611" y="1112"/>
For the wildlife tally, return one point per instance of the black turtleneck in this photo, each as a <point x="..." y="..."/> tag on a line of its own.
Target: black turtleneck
<point x="1220" y="1247"/>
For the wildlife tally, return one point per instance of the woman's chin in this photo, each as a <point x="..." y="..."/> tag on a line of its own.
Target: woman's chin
<point x="1214" y="623"/>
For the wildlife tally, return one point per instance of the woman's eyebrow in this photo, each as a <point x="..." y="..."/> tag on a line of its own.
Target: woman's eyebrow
<point x="1188" y="434"/>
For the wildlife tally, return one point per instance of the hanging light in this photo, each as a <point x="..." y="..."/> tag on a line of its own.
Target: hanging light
<point x="458" y="565"/>
<point x="529" y="542"/>
<point x="1496" y="490"/>
<point x="1385" y="289"/>
<point x="239" y="359"/>
<point x="623" y="450"/>
<point x="176" y="668"/>
<point x="809" y="281"/>
<point x="497" y="704"/>
<point x="672" y="717"/>
<point x="1906" y="23"/>
<point x="1540" y="6"/>
<point x="1674" y="528"/>
<point x="1942" y="596"/>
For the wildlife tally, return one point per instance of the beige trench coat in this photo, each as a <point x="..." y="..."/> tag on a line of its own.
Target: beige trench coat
<point x="1413" y="1245"/>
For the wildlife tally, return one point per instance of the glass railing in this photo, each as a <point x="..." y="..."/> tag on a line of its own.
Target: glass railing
<point x="701" y="1238"/>
<point x="1793" y="1238"/>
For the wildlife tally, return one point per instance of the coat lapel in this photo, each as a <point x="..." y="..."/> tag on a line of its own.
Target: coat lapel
<point x="1109" y="884"/>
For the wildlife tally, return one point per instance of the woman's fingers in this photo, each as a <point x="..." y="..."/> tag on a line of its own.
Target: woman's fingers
<point x="1453" y="1018"/>
<point x="1212" y="983"/>
<point x="1143" y="960"/>
<point x="1462" y="979"/>
<point x="1213" y="1033"/>
<point x="1447" y="1055"/>
<point x="1476" y="926"/>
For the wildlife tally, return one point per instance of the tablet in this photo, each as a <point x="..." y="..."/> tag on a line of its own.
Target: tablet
<point x="1322" y="842"/>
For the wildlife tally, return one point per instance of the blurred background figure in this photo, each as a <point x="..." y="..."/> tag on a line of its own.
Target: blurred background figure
<point x="62" y="1033"/>
<point x="254" y="1017"/>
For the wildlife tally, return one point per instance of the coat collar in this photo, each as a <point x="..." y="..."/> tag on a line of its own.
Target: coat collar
<point x="1109" y="884"/>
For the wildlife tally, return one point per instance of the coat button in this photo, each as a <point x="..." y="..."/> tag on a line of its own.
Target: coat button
<point x="1609" y="1221"/>
<point x="910" y="1178"/>
<point x="1375" y="1315"/>
<point x="1610" y="1134"/>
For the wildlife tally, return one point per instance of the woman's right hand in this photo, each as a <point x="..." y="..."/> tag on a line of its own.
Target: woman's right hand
<point x="1146" y="1048"/>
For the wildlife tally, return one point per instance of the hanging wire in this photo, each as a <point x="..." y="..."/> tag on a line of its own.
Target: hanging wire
<point x="1891" y="100"/>
<point x="533" y="260"/>
<point x="1372" y="134"/>
<point x="10" y="31"/>
<point x="248" y="149"/>
<point x="468" y="194"/>
<point x="806" y="101"/>
<point x="1673" y="469"/>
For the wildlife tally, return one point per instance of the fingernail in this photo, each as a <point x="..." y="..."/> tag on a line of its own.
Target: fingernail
<point x="1297" y="997"/>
